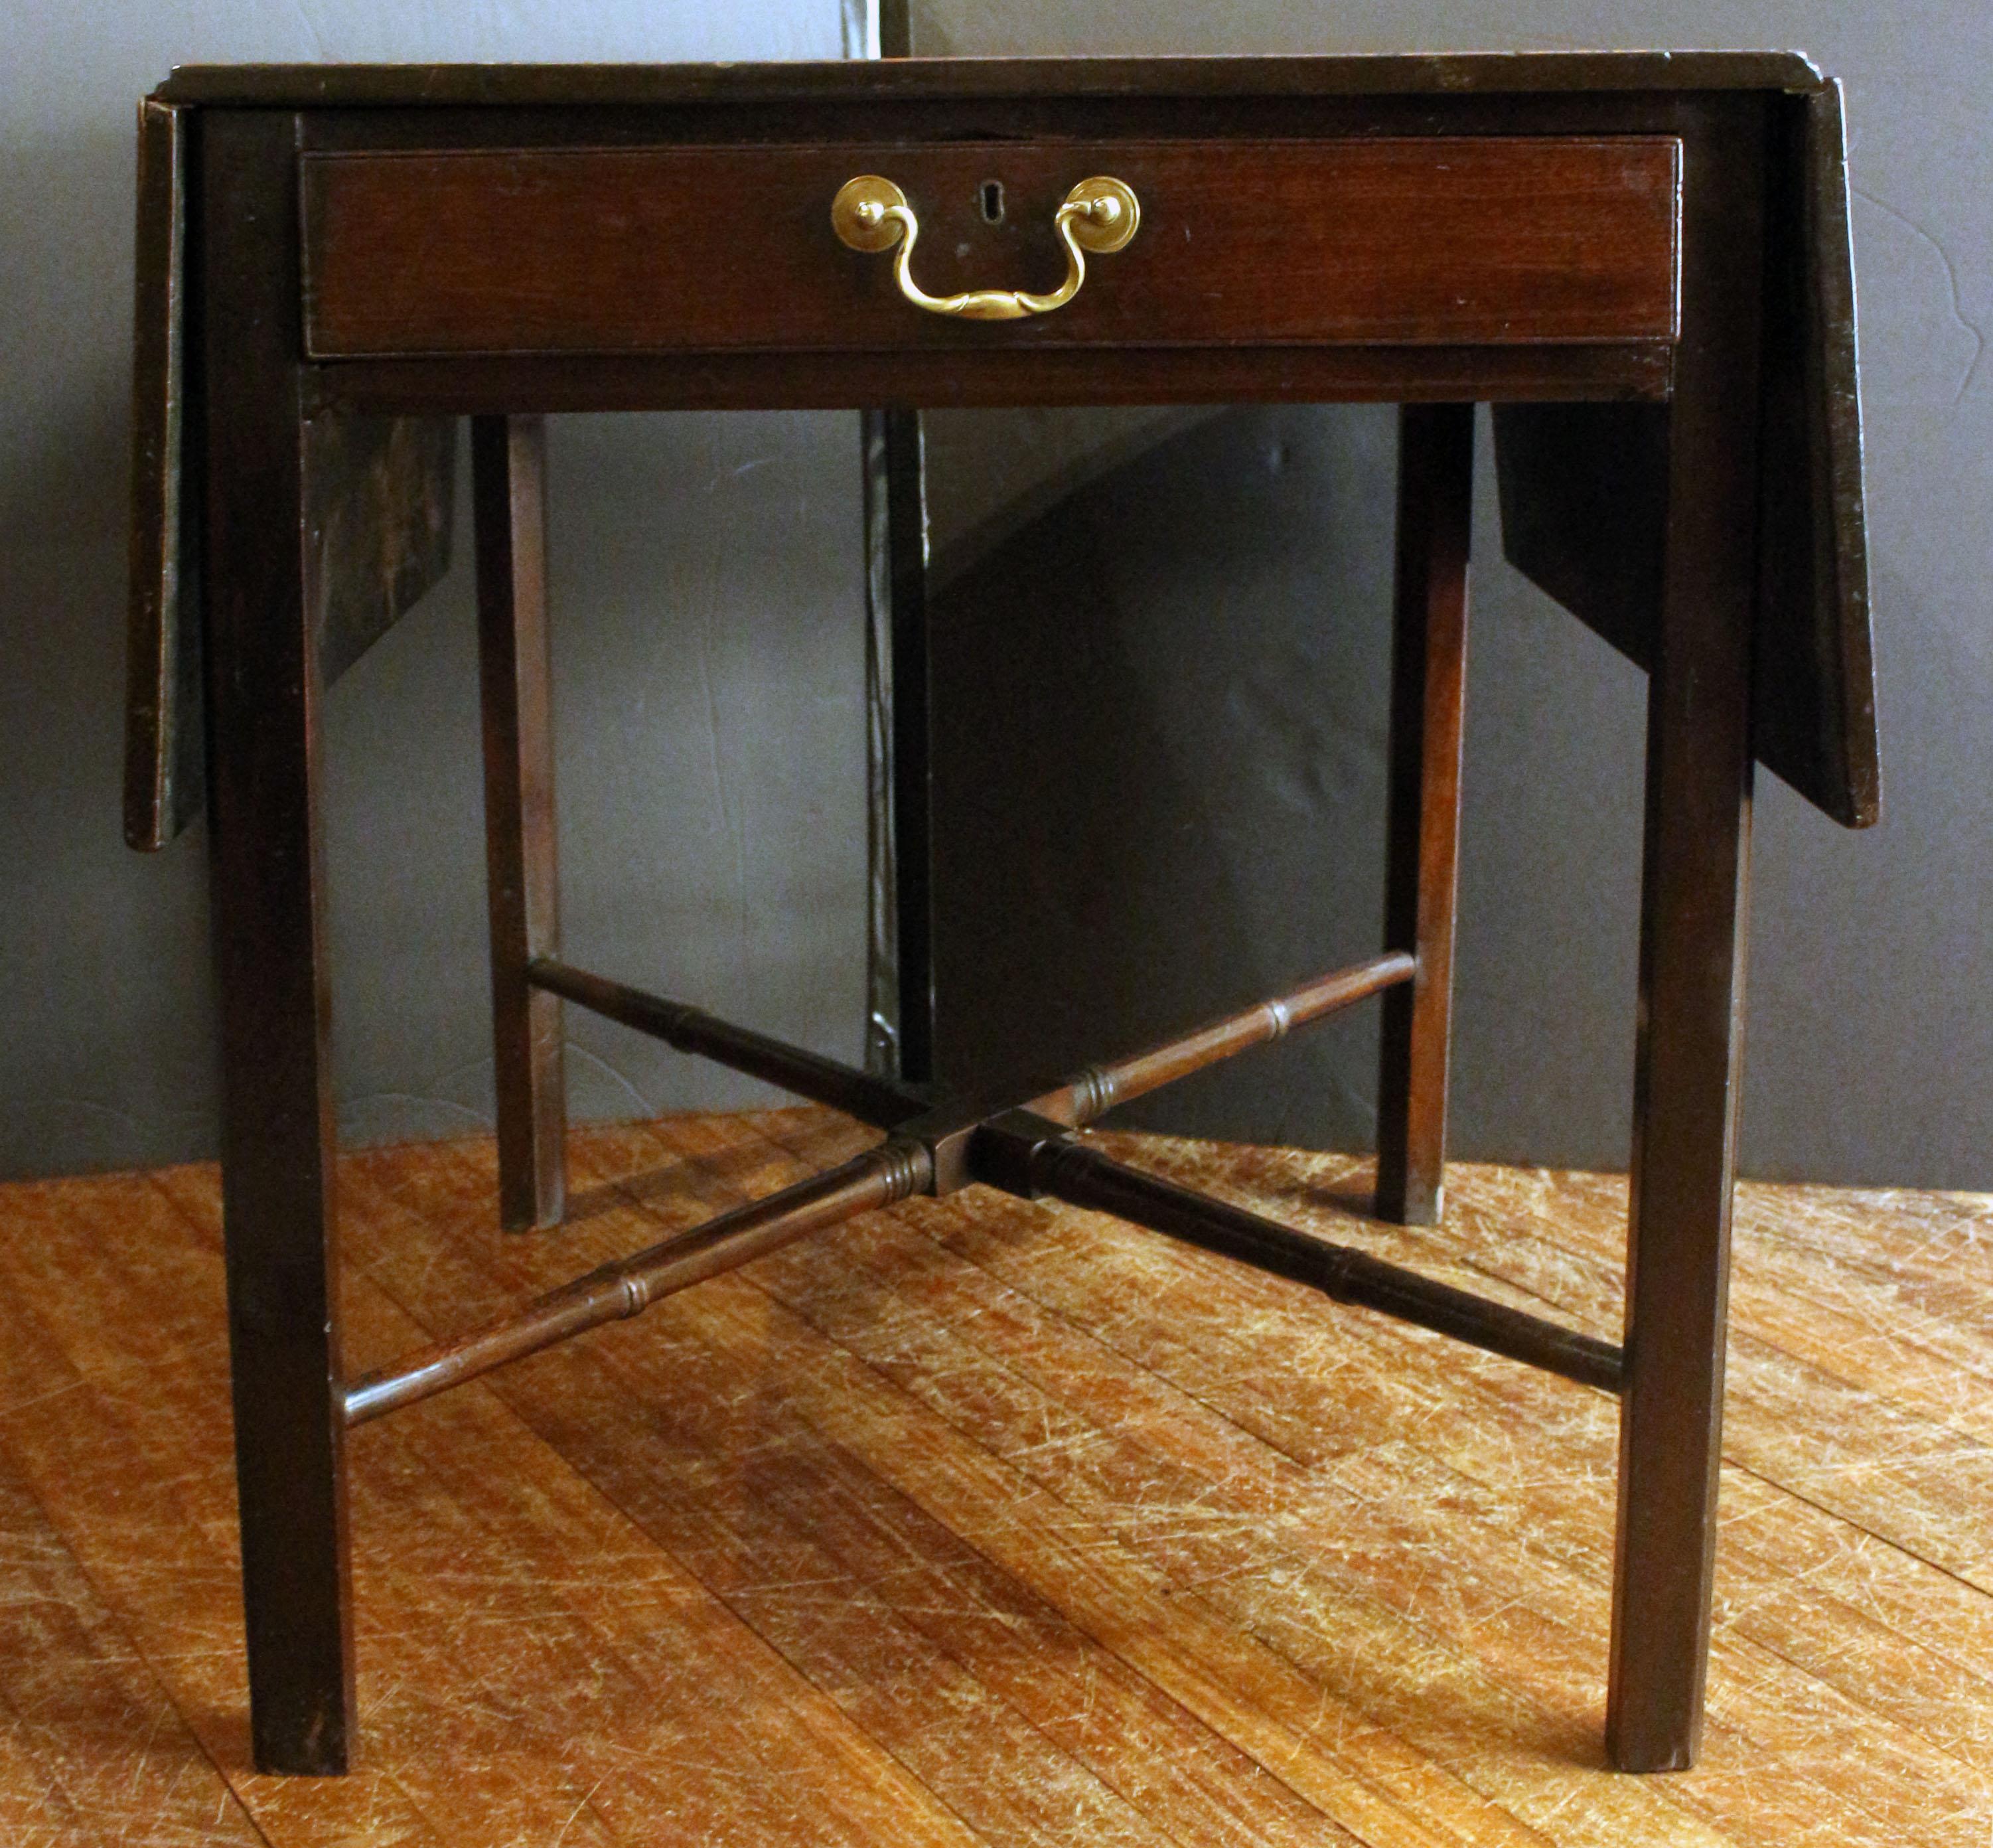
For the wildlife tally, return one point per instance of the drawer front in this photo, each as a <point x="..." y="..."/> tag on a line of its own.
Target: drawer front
<point x="1464" y="240"/>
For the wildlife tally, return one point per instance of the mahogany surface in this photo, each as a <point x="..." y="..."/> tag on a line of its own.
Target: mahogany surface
<point x="1422" y="844"/>
<point x="1694" y="909"/>
<point x="268" y="905"/>
<point x="522" y="876"/>
<point x="969" y="81"/>
<point x="1446" y="242"/>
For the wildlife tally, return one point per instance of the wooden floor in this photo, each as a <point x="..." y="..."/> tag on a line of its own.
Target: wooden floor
<point x="982" y="1521"/>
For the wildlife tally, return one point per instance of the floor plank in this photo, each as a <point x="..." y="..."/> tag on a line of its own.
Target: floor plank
<point x="982" y="1521"/>
<point x="91" y="1744"/>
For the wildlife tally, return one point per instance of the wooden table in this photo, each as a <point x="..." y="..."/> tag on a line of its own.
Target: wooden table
<point x="1641" y="261"/>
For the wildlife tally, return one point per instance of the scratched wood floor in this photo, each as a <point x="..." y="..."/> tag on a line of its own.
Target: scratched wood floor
<point x="982" y="1521"/>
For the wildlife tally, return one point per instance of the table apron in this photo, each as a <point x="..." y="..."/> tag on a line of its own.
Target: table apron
<point x="550" y="383"/>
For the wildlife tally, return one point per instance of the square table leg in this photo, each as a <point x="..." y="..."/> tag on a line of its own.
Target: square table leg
<point x="1428" y="677"/>
<point x="508" y="474"/>
<point x="265" y="849"/>
<point x="1695" y="896"/>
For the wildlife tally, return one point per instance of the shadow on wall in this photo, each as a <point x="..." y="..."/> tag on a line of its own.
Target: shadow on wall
<point x="1161" y="794"/>
<point x="710" y="734"/>
<point x="104" y="1057"/>
<point x="106" y="1053"/>
<point x="1160" y="763"/>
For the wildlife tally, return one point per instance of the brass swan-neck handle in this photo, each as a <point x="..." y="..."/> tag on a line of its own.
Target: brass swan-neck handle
<point x="1099" y="214"/>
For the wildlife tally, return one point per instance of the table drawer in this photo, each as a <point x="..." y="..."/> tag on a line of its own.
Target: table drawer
<point x="1465" y="240"/>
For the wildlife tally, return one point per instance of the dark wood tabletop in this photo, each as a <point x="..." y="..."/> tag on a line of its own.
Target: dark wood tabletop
<point x="1381" y="73"/>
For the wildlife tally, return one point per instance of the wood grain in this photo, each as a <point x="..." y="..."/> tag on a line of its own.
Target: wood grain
<point x="1694" y="912"/>
<point x="508" y="462"/>
<point x="1520" y="240"/>
<point x="960" y="80"/>
<point x="1435" y="521"/>
<point x="268" y="928"/>
<point x="987" y="1521"/>
<point x="163" y="772"/>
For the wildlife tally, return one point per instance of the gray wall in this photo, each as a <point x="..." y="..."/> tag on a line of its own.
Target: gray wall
<point x="710" y="697"/>
<point x="1198" y="612"/>
<point x="710" y="660"/>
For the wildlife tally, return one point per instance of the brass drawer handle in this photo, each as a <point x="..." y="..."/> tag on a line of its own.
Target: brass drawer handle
<point x="1099" y="214"/>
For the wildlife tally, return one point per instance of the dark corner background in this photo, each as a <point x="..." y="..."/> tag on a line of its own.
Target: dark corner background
<point x="1161" y="647"/>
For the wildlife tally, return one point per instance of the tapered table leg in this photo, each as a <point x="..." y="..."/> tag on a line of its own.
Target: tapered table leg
<point x="262" y="678"/>
<point x="1692" y="919"/>
<point x="508" y="472"/>
<point x="1428" y="671"/>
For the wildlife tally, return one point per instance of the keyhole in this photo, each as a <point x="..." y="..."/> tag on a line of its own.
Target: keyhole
<point x="992" y="195"/>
